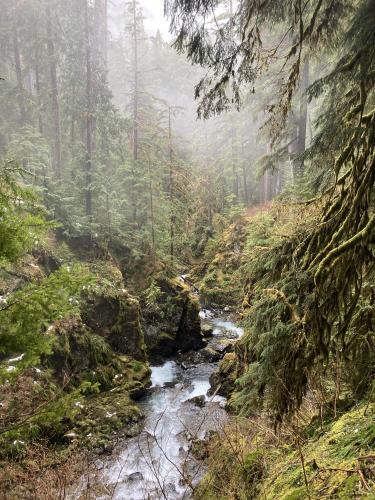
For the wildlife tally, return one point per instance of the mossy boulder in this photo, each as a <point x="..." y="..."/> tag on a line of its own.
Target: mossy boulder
<point x="223" y="380"/>
<point x="105" y="345"/>
<point x="77" y="352"/>
<point x="161" y="344"/>
<point x="79" y="355"/>
<point x="105" y="383"/>
<point x="171" y="318"/>
<point x="104" y="415"/>
<point x="115" y="315"/>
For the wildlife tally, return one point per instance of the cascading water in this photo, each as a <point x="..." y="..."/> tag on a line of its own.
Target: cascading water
<point x="158" y="463"/>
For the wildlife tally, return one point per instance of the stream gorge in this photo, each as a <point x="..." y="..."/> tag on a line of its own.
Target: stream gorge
<point x="179" y="412"/>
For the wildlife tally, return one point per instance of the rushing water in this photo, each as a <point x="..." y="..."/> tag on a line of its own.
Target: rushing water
<point x="158" y="463"/>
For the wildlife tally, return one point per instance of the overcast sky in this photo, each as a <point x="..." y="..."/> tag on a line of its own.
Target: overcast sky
<point x="154" y="16"/>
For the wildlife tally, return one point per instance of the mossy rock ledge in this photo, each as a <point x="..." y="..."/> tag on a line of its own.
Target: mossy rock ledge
<point x="172" y="324"/>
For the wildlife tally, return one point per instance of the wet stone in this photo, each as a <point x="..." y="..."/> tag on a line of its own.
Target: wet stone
<point x="135" y="476"/>
<point x="199" y="401"/>
<point x="207" y="330"/>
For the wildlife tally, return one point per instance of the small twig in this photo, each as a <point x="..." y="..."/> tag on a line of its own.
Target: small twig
<point x="363" y="479"/>
<point x="303" y="467"/>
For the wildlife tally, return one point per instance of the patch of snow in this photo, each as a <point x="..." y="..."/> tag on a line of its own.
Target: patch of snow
<point x="110" y="415"/>
<point x="18" y="358"/>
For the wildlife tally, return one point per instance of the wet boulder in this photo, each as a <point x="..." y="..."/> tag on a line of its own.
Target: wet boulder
<point x="205" y="355"/>
<point x="199" y="401"/>
<point x="135" y="476"/>
<point x="211" y="355"/>
<point x="222" y="346"/>
<point x="171" y="318"/>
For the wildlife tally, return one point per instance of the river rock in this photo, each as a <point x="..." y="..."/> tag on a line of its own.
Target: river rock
<point x="211" y="355"/>
<point x="199" y="401"/>
<point x="135" y="476"/>
<point x="170" y="489"/>
<point x="206" y="355"/>
<point x="170" y="385"/>
<point x="222" y="346"/>
<point x="207" y="330"/>
<point x="99" y="464"/>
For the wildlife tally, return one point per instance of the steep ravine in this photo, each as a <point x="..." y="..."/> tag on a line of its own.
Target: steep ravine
<point x="179" y="416"/>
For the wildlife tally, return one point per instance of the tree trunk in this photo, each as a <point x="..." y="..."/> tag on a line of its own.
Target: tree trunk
<point x="152" y="215"/>
<point x="299" y="164"/>
<point x="37" y="82"/>
<point x="208" y="181"/>
<point x="89" y="115"/>
<point x="101" y="30"/>
<point x="54" y="97"/>
<point x="234" y="165"/>
<point x="20" y="89"/>
<point x="244" y="175"/>
<point x="171" y="187"/>
<point x="135" y="111"/>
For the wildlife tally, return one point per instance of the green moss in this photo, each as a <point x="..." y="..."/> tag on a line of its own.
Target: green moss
<point x="349" y="488"/>
<point x="336" y="450"/>
<point x="220" y="294"/>
<point x="137" y="366"/>
<point x="221" y="285"/>
<point x="247" y="462"/>
<point x="297" y="494"/>
<point x="105" y="414"/>
<point x="109" y="277"/>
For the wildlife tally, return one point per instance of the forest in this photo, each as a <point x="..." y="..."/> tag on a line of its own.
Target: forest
<point x="187" y="238"/>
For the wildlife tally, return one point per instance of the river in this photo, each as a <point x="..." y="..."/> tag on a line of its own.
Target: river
<point x="158" y="463"/>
